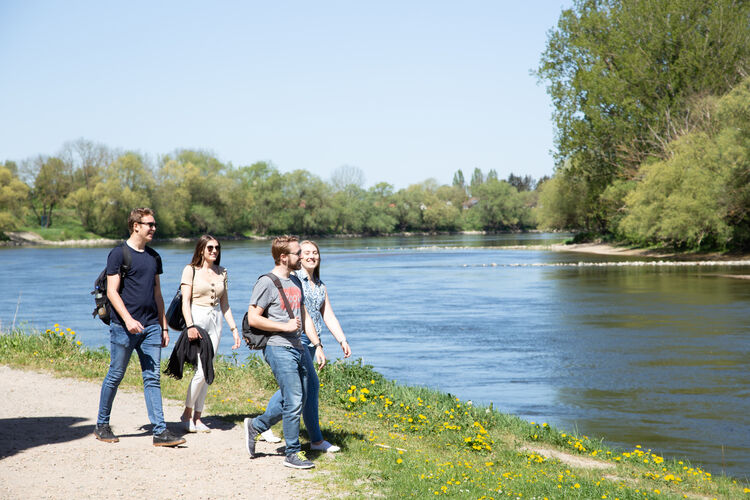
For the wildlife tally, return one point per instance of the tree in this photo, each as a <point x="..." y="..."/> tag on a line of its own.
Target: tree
<point x="307" y="208"/>
<point x="257" y="194"/>
<point x="347" y="176"/>
<point x="560" y="205"/>
<point x="477" y="178"/>
<point x="525" y="183"/>
<point x="127" y="183"/>
<point x="13" y="196"/>
<point x="458" y="179"/>
<point x="86" y="161"/>
<point x="682" y="201"/>
<point x="194" y="189"/>
<point x="624" y="76"/>
<point x="173" y="197"/>
<point x="700" y="196"/>
<point x="500" y="206"/>
<point x="379" y="219"/>
<point x="52" y="184"/>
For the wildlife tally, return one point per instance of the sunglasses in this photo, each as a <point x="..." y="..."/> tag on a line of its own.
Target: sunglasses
<point x="149" y="224"/>
<point x="211" y="248"/>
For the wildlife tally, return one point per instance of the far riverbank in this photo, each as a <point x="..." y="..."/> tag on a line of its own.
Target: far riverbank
<point x="29" y="238"/>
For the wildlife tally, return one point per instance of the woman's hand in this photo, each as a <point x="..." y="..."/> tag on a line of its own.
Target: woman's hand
<point x="193" y="333"/>
<point x="236" y="336"/>
<point x="345" y="347"/>
<point x="320" y="357"/>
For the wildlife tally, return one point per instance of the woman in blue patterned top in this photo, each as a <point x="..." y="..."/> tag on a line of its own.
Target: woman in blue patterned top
<point x="319" y="307"/>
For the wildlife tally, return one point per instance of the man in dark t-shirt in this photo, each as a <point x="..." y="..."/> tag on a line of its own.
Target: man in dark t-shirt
<point x="137" y="323"/>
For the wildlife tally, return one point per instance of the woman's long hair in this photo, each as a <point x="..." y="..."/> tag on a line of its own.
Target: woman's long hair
<point x="200" y="247"/>
<point x="316" y="271"/>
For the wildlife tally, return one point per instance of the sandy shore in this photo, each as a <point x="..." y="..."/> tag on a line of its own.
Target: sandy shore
<point x="609" y="249"/>
<point x="47" y="449"/>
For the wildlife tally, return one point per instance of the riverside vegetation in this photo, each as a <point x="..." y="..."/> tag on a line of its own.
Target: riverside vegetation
<point x="410" y="442"/>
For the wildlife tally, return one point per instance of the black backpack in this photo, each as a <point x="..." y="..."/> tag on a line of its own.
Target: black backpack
<point x="255" y="338"/>
<point x="103" y="308"/>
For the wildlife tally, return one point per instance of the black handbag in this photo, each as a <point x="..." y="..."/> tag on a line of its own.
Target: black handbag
<point x="255" y="338"/>
<point x="175" y="318"/>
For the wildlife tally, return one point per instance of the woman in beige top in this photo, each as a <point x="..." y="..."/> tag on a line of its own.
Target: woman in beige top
<point x="204" y="299"/>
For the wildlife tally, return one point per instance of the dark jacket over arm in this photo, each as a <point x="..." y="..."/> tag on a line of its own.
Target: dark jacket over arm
<point x="186" y="351"/>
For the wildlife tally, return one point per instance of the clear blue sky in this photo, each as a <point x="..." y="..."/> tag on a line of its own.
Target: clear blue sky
<point x="405" y="90"/>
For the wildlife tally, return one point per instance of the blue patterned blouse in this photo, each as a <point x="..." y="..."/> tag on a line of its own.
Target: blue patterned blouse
<point x="315" y="297"/>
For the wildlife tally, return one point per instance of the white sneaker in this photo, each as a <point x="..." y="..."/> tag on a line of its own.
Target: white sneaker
<point x="270" y="437"/>
<point x="200" y="427"/>
<point x="188" y="425"/>
<point x="325" y="446"/>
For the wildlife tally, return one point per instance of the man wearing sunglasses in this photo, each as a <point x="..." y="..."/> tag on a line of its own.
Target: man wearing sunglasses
<point x="284" y="350"/>
<point x="137" y="323"/>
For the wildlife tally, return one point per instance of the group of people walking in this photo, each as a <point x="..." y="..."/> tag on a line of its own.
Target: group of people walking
<point x="292" y="322"/>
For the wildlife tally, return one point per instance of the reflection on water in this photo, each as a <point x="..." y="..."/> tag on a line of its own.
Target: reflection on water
<point x="641" y="354"/>
<point x="659" y="358"/>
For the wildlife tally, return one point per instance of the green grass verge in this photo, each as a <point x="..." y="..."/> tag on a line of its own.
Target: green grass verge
<point x="65" y="226"/>
<point x="409" y="442"/>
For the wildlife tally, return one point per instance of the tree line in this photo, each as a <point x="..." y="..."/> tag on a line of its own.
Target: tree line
<point x="193" y="192"/>
<point x="651" y="107"/>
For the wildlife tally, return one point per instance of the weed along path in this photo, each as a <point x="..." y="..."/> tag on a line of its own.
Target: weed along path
<point x="47" y="449"/>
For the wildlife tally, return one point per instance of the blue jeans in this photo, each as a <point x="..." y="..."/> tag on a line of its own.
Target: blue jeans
<point x="148" y="346"/>
<point x="310" y="407"/>
<point x="288" y="366"/>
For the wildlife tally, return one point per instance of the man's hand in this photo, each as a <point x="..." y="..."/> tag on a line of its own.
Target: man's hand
<point x="164" y="338"/>
<point x="292" y="325"/>
<point x="133" y="326"/>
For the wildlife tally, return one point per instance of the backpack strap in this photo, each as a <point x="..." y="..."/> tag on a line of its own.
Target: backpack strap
<point x="127" y="259"/>
<point x="277" y="282"/>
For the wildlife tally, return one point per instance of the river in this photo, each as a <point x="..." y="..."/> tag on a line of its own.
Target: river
<point x="626" y="348"/>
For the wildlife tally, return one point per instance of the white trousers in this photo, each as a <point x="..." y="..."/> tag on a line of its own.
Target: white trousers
<point x="208" y="318"/>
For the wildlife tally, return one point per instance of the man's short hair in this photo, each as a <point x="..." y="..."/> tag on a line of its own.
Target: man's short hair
<point x="136" y="215"/>
<point x="280" y="246"/>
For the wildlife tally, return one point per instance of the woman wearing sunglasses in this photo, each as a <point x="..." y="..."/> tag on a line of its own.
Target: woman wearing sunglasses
<point x="204" y="301"/>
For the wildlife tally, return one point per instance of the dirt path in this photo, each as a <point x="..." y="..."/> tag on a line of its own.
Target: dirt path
<point x="47" y="449"/>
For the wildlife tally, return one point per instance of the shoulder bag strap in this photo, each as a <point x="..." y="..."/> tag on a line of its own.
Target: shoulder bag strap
<point x="192" y="283"/>
<point x="277" y="282"/>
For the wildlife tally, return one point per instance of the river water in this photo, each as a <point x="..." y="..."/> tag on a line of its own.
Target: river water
<point x="629" y="349"/>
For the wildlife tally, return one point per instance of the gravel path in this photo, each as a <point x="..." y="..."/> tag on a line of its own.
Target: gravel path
<point x="47" y="449"/>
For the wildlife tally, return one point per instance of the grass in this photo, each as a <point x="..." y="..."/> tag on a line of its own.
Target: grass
<point x="409" y="442"/>
<point x="65" y="226"/>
